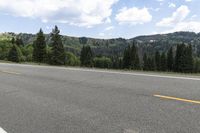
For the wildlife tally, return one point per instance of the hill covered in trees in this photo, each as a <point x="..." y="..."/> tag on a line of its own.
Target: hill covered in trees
<point x="179" y="51"/>
<point x="149" y="44"/>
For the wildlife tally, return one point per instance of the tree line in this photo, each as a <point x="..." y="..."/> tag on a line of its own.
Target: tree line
<point x="42" y="53"/>
<point x="176" y="59"/>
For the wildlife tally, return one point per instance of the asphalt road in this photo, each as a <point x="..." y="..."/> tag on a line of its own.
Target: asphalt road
<point x="42" y="99"/>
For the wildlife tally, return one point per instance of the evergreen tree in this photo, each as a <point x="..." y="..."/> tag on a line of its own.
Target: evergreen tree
<point x="189" y="61"/>
<point x="197" y="66"/>
<point x="151" y="64"/>
<point x="83" y="55"/>
<point x="157" y="61"/>
<point x="127" y="58"/>
<point x="170" y="59"/>
<point x="86" y="56"/>
<point x="13" y="40"/>
<point x="40" y="49"/>
<point x="58" y="51"/>
<point x="131" y="58"/>
<point x="179" y="59"/>
<point x="134" y="58"/>
<point x="14" y="54"/>
<point x="137" y="62"/>
<point x="116" y="62"/>
<point x="163" y="62"/>
<point x="19" y="42"/>
<point x="184" y="58"/>
<point x="145" y="62"/>
<point x="83" y="40"/>
<point x="120" y="63"/>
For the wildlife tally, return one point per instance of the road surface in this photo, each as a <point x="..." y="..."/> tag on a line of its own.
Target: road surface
<point x="43" y="99"/>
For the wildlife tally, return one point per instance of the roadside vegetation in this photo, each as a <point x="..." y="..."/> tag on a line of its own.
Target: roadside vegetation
<point x="179" y="58"/>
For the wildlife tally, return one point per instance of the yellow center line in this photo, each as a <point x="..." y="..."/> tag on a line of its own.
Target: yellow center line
<point x="10" y="72"/>
<point x="177" y="99"/>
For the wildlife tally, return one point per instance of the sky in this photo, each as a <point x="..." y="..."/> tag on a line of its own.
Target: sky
<point x="100" y="18"/>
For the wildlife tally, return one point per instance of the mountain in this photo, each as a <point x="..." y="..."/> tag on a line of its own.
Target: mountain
<point x="149" y="44"/>
<point x="163" y="42"/>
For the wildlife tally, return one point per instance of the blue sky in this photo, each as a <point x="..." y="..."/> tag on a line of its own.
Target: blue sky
<point x="100" y="18"/>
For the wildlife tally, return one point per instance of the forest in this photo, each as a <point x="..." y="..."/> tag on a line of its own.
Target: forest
<point x="165" y="56"/>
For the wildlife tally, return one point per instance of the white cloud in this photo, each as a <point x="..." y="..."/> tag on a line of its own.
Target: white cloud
<point x="192" y="26"/>
<point x="160" y="0"/>
<point x="193" y="16"/>
<point x="101" y="34"/>
<point x="172" y="5"/>
<point x="155" y="9"/>
<point x="86" y="13"/>
<point x="178" y="16"/>
<point x="47" y="27"/>
<point x="188" y="0"/>
<point x="109" y="28"/>
<point x="133" y="16"/>
<point x="178" y="22"/>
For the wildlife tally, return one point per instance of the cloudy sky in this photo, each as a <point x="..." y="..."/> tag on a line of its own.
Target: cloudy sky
<point x="100" y="18"/>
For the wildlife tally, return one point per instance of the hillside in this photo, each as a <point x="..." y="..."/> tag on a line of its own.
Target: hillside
<point x="107" y="47"/>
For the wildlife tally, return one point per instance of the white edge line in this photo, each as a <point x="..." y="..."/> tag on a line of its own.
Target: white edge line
<point x="110" y="72"/>
<point x="136" y="74"/>
<point x="2" y="130"/>
<point x="9" y="72"/>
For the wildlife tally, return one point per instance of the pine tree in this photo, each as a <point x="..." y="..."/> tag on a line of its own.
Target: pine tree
<point x="131" y="58"/>
<point x="134" y="58"/>
<point x="170" y="59"/>
<point x="83" y="40"/>
<point x="58" y="51"/>
<point x="120" y="63"/>
<point x="163" y="62"/>
<point x="19" y="42"/>
<point x="127" y="58"/>
<point x="179" y="59"/>
<point x="157" y="60"/>
<point x="197" y="66"/>
<point x="14" y="54"/>
<point x="151" y="64"/>
<point x="184" y="59"/>
<point x="83" y="55"/>
<point x="40" y="49"/>
<point x="13" y="40"/>
<point x="116" y="62"/>
<point x="145" y="62"/>
<point x="189" y="61"/>
<point x="86" y="56"/>
<point x="137" y="62"/>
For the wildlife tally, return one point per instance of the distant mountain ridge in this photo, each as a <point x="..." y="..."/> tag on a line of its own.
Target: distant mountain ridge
<point x="148" y="43"/>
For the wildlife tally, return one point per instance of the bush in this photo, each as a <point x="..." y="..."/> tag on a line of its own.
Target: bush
<point x="102" y="62"/>
<point x="15" y="54"/>
<point x="197" y="66"/>
<point x="71" y="59"/>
